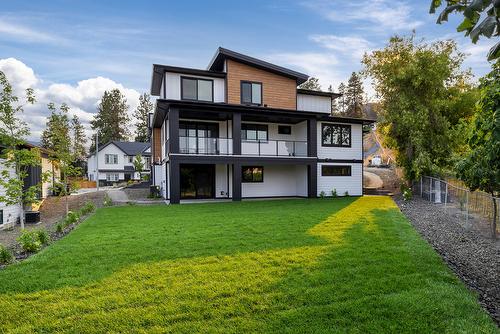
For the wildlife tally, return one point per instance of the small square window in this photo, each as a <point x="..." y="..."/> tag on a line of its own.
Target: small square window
<point x="252" y="174"/>
<point x="284" y="129"/>
<point x="251" y="93"/>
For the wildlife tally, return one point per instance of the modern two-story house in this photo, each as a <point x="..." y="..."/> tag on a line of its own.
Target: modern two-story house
<point x="242" y="129"/>
<point x="115" y="162"/>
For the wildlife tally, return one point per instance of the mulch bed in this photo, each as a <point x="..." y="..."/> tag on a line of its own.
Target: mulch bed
<point x="474" y="257"/>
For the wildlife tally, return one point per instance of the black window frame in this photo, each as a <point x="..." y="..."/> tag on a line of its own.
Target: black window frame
<point x="197" y="95"/>
<point x="288" y="132"/>
<point x="341" y="167"/>
<point x="261" y="93"/>
<point x="244" y="129"/>
<point x="1" y="217"/>
<point x="342" y="127"/>
<point x="243" y="180"/>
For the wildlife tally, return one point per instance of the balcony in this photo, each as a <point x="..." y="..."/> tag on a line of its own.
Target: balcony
<point x="224" y="146"/>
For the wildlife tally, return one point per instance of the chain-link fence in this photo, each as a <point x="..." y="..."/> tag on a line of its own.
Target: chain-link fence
<point x="472" y="208"/>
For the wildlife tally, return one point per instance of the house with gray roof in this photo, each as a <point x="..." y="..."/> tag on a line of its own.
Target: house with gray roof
<point x="115" y="162"/>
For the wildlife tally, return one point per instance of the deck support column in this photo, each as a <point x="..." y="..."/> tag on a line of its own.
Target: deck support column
<point x="236" y="133"/>
<point x="175" y="181"/>
<point x="237" y="181"/>
<point x="312" y="138"/>
<point x="312" y="180"/>
<point x="173" y="130"/>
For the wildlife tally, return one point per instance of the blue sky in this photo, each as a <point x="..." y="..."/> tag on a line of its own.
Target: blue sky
<point x="71" y="51"/>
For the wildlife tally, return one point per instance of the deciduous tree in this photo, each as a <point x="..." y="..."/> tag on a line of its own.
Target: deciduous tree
<point x="422" y="89"/>
<point x="480" y="168"/>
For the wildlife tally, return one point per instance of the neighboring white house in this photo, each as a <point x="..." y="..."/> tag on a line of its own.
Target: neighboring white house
<point x="116" y="162"/>
<point x="242" y="129"/>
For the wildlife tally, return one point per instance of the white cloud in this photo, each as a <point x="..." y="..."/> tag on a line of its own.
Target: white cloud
<point x="82" y="98"/>
<point x="24" y="33"/>
<point x="371" y="14"/>
<point x="351" y="45"/>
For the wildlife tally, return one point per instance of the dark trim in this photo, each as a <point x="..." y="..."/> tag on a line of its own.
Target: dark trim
<point x="261" y="167"/>
<point x="1" y="216"/>
<point x="163" y="105"/>
<point x="312" y="180"/>
<point x="197" y="89"/>
<point x="175" y="182"/>
<point x="251" y="93"/>
<point x="173" y="130"/>
<point x="317" y="93"/>
<point x="352" y="161"/>
<point x="244" y="160"/>
<point x="323" y="125"/>
<point x="217" y="64"/>
<point x="164" y="86"/>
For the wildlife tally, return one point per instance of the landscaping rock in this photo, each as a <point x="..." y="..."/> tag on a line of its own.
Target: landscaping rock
<point x="472" y="255"/>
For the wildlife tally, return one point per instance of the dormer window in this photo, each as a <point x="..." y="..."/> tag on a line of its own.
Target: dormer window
<point x="251" y="93"/>
<point x="196" y="89"/>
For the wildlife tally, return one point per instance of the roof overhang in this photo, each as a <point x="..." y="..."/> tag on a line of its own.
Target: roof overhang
<point x="318" y="93"/>
<point x="217" y="64"/>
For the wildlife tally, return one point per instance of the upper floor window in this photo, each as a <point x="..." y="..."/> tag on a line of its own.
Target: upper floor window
<point x="251" y="93"/>
<point x="253" y="131"/>
<point x="336" y="135"/>
<point x="197" y="89"/>
<point x="111" y="159"/>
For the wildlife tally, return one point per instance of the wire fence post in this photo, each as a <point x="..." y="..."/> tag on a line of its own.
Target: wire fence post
<point x="421" y="187"/>
<point x="467" y="207"/>
<point x="445" y="194"/>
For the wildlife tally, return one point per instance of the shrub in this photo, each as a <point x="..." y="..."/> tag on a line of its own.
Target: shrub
<point x="29" y="241"/>
<point x="107" y="200"/>
<point x="72" y="218"/>
<point x="346" y="194"/>
<point x="87" y="208"/>
<point x="407" y="192"/>
<point x="322" y="194"/>
<point x="6" y="256"/>
<point x="60" y="227"/>
<point x="334" y="192"/>
<point x="43" y="236"/>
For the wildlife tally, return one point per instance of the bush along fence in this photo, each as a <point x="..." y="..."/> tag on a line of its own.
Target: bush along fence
<point x="474" y="207"/>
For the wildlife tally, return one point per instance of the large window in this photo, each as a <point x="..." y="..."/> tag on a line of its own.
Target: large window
<point x="111" y="159"/>
<point x="332" y="170"/>
<point x="197" y="89"/>
<point x="252" y="174"/>
<point x="112" y="177"/>
<point x="251" y="93"/>
<point x="336" y="135"/>
<point x="253" y="131"/>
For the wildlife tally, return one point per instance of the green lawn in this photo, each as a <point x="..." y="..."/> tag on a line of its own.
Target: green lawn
<point x="331" y="265"/>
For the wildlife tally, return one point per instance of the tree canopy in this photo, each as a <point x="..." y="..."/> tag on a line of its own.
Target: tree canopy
<point x="472" y="24"/>
<point x="57" y="127"/>
<point x="354" y="96"/>
<point x="424" y="94"/>
<point x="312" y="84"/>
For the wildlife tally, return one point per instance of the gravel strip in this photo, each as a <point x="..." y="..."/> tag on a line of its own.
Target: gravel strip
<point x="472" y="256"/>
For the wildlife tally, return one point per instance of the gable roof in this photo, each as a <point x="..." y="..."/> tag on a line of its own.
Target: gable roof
<point x="217" y="64"/>
<point x="129" y="147"/>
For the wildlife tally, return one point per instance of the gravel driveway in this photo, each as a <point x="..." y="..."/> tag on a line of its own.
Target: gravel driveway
<point x="473" y="257"/>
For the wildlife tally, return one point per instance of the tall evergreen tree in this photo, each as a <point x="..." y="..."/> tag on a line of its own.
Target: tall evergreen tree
<point x="141" y="114"/>
<point x="312" y="84"/>
<point x="79" y="139"/>
<point x="335" y="106"/>
<point x="354" y="96"/>
<point x="112" y="120"/>
<point x="57" y="127"/>
<point x="341" y="101"/>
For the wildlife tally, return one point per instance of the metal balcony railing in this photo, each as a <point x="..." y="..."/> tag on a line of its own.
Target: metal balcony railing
<point x="282" y="148"/>
<point x="205" y="145"/>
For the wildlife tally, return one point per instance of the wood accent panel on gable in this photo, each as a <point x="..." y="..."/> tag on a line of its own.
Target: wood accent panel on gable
<point x="156" y="147"/>
<point x="277" y="91"/>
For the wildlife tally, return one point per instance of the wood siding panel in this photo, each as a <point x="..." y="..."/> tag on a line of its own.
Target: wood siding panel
<point x="156" y="149"/>
<point x="278" y="91"/>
